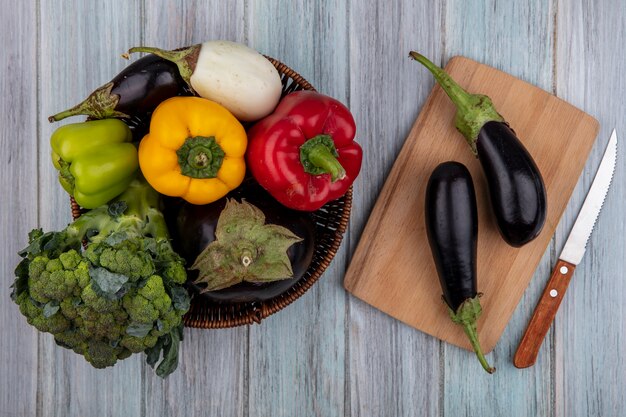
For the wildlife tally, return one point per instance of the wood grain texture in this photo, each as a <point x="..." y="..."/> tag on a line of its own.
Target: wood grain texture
<point x="296" y="357"/>
<point x="18" y="207"/>
<point x="590" y="327"/>
<point x="392" y="268"/>
<point x="393" y="369"/>
<point x="77" y="55"/>
<point x="340" y="357"/>
<point x="543" y="316"/>
<point x="516" y="37"/>
<point x="212" y="378"/>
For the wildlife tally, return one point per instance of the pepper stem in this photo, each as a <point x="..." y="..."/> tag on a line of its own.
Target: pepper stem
<point x="318" y="156"/>
<point x="99" y="105"/>
<point x="472" y="110"/>
<point x="200" y="157"/>
<point x="466" y="315"/>
<point x="186" y="59"/>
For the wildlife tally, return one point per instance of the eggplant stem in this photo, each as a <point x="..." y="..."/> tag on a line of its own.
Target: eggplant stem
<point x="457" y="94"/>
<point x="472" y="110"/>
<point x="81" y="108"/>
<point x="185" y="59"/>
<point x="100" y="104"/>
<point x="467" y="315"/>
<point x="470" y="331"/>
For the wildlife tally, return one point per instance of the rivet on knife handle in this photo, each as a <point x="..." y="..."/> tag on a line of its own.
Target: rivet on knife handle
<point x="543" y="317"/>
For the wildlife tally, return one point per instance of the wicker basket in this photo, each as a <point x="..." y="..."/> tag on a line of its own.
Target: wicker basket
<point x="330" y="223"/>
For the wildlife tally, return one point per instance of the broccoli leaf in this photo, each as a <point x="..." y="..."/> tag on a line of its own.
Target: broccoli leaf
<point x="35" y="234"/>
<point x="50" y="309"/>
<point x="117" y="208"/>
<point x="149" y="245"/>
<point x="180" y="298"/>
<point x="36" y="242"/>
<point x="154" y="353"/>
<point x="140" y="330"/>
<point x="116" y="238"/>
<point x="107" y="284"/>
<point x="55" y="244"/>
<point x="170" y="354"/>
<point x="91" y="233"/>
<point x="21" y="281"/>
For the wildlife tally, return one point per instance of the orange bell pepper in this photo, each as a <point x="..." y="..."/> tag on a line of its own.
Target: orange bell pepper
<point x="194" y="150"/>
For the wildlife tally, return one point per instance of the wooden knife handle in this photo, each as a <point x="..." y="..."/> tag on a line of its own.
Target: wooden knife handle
<point x="543" y="316"/>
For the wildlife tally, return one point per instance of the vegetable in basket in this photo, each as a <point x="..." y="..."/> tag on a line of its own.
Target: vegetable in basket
<point x="304" y="153"/>
<point x="452" y="229"/>
<point x="122" y="295"/>
<point x="516" y="188"/>
<point x="136" y="91"/>
<point x="194" y="228"/>
<point x="232" y="74"/>
<point x="95" y="159"/>
<point x="245" y="249"/>
<point x="194" y="150"/>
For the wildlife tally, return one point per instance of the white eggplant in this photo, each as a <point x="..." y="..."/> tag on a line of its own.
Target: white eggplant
<point x="231" y="74"/>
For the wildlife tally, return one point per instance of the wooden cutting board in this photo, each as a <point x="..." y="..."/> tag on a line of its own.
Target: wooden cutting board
<point x="392" y="268"/>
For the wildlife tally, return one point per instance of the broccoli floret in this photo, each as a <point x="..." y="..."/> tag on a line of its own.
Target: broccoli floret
<point x="28" y="306"/>
<point x="96" y="303"/>
<point x="70" y="260"/>
<point x="100" y="325"/>
<point x="69" y="307"/>
<point x="149" y="302"/>
<point x="169" y="320"/>
<point x="154" y="291"/>
<point x="54" y="324"/>
<point x="101" y="354"/>
<point x="138" y="344"/>
<point x="115" y="297"/>
<point x="139" y="308"/>
<point x="55" y="279"/>
<point x="123" y="258"/>
<point x="175" y="272"/>
<point x="71" y="339"/>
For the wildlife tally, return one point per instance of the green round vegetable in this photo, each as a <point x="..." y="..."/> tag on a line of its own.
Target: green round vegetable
<point x="121" y="295"/>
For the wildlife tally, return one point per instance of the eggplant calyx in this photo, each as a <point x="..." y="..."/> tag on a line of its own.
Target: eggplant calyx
<point x="472" y="110"/>
<point x="186" y="59"/>
<point x="245" y="249"/>
<point x="466" y="315"/>
<point x="100" y="104"/>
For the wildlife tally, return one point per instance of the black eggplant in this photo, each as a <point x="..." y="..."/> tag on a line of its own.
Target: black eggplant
<point x="192" y="228"/>
<point x="134" y="93"/>
<point x="516" y="188"/>
<point x="452" y="230"/>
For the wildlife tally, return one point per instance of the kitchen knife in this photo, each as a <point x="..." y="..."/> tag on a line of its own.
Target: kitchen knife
<point x="571" y="256"/>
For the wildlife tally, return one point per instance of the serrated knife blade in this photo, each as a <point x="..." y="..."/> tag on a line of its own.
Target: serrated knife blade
<point x="571" y="255"/>
<point x="576" y="243"/>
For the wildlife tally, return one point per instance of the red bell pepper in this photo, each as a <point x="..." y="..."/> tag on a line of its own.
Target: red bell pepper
<point x="304" y="153"/>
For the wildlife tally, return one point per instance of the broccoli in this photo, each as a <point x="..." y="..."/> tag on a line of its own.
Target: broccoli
<point x="123" y="294"/>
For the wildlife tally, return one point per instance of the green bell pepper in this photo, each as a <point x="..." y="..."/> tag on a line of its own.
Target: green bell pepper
<point x="96" y="160"/>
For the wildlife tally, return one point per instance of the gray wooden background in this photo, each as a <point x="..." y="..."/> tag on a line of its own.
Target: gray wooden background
<point x="328" y="354"/>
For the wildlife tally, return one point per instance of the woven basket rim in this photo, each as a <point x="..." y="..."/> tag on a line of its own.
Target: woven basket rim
<point x="239" y="314"/>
